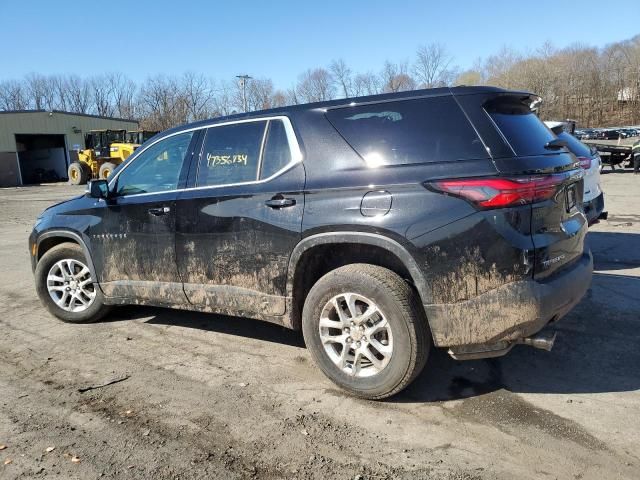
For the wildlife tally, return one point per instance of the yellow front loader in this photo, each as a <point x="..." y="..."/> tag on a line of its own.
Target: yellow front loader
<point x="104" y="151"/>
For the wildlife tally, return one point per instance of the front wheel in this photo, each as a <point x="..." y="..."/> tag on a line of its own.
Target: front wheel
<point x="366" y="330"/>
<point x="65" y="285"/>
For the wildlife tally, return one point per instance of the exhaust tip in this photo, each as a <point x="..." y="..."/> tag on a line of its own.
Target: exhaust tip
<point x="542" y="341"/>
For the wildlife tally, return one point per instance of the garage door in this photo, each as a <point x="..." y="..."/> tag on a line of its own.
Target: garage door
<point x="42" y="158"/>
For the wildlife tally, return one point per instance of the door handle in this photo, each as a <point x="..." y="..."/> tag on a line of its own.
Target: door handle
<point x="159" y="211"/>
<point x="280" y="202"/>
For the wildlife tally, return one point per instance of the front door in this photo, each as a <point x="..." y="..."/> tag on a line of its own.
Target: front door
<point x="236" y="230"/>
<point x="133" y="239"/>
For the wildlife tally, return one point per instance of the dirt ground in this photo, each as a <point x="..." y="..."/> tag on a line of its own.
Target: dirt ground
<point x="206" y="396"/>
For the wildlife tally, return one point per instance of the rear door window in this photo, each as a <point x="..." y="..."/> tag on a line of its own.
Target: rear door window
<point x="231" y="154"/>
<point x="409" y="131"/>
<point x="520" y="126"/>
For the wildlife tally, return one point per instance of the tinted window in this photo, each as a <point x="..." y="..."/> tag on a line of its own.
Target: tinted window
<point x="230" y="154"/>
<point x="410" y="131"/>
<point x="576" y="147"/>
<point x="524" y="131"/>
<point x="276" y="150"/>
<point x="157" y="168"/>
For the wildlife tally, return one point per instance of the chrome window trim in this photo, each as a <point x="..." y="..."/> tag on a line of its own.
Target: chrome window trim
<point x="294" y="147"/>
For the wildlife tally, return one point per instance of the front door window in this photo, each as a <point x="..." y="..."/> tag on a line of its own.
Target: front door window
<point x="156" y="169"/>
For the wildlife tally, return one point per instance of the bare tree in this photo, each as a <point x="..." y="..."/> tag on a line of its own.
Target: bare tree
<point x="101" y="96"/>
<point x="197" y="95"/>
<point x="162" y="104"/>
<point x="342" y="77"/>
<point x="13" y="96"/>
<point x="59" y="88"/>
<point x="498" y="68"/>
<point x="291" y="96"/>
<point x="78" y="94"/>
<point x="396" y="78"/>
<point x="469" y="78"/>
<point x="223" y="98"/>
<point x="123" y="91"/>
<point x="36" y="88"/>
<point x="432" y="66"/>
<point x="279" y="99"/>
<point x="596" y="86"/>
<point x="367" y="84"/>
<point x="260" y="94"/>
<point x="315" y="85"/>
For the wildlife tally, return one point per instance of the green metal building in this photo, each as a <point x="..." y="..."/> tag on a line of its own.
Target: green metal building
<point x="37" y="146"/>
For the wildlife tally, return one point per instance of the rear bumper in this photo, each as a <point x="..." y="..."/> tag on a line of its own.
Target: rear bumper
<point x="494" y="321"/>
<point x="593" y="208"/>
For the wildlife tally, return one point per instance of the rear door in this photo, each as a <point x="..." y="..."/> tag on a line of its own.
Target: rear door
<point x="238" y="224"/>
<point x="558" y="225"/>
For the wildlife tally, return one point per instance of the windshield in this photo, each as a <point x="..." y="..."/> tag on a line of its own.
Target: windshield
<point x="114" y="136"/>
<point x="132" y="137"/>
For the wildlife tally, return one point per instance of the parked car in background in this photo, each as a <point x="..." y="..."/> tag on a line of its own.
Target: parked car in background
<point x="586" y="134"/>
<point x="611" y="134"/>
<point x="590" y="161"/>
<point x="379" y="226"/>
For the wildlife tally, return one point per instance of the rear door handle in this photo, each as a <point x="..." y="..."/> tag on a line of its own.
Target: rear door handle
<point x="159" y="211"/>
<point x="280" y="202"/>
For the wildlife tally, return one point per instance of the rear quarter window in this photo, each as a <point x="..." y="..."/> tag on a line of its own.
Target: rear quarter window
<point x="407" y="132"/>
<point x="277" y="153"/>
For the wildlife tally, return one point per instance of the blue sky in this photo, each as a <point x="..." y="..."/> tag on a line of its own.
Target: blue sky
<point x="280" y="39"/>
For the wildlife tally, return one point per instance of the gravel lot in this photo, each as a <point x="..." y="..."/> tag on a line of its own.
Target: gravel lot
<point x="219" y="397"/>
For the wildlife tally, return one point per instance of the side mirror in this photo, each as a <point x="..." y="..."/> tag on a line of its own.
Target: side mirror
<point x="98" y="189"/>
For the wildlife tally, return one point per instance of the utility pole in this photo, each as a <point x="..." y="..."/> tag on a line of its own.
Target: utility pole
<point x="243" y="84"/>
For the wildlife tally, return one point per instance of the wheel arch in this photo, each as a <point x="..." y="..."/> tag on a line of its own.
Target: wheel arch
<point x="49" y="239"/>
<point x="352" y="247"/>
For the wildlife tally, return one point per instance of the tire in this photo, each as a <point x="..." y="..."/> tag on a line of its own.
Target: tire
<point x="106" y="169"/>
<point x="407" y="333"/>
<point x="78" y="173"/>
<point x="68" y="253"/>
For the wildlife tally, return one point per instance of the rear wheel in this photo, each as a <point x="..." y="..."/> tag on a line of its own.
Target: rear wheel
<point x="366" y="330"/>
<point x="106" y="169"/>
<point x="65" y="285"/>
<point x="78" y="173"/>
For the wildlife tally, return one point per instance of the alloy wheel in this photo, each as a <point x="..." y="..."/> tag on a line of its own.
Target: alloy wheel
<point x="70" y="285"/>
<point x="356" y="335"/>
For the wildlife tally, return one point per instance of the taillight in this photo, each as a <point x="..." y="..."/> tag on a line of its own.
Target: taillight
<point x="585" y="162"/>
<point x="501" y="192"/>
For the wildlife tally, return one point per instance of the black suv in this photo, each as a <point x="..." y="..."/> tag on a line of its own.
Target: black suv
<point x="379" y="226"/>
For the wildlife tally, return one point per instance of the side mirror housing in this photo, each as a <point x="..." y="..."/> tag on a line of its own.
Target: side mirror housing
<point x="98" y="189"/>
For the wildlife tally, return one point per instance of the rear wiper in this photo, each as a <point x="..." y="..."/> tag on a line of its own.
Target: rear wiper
<point x="555" y="144"/>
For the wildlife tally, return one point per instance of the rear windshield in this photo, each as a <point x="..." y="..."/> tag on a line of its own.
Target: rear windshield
<point x="576" y="147"/>
<point x="522" y="129"/>
<point x="409" y="131"/>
